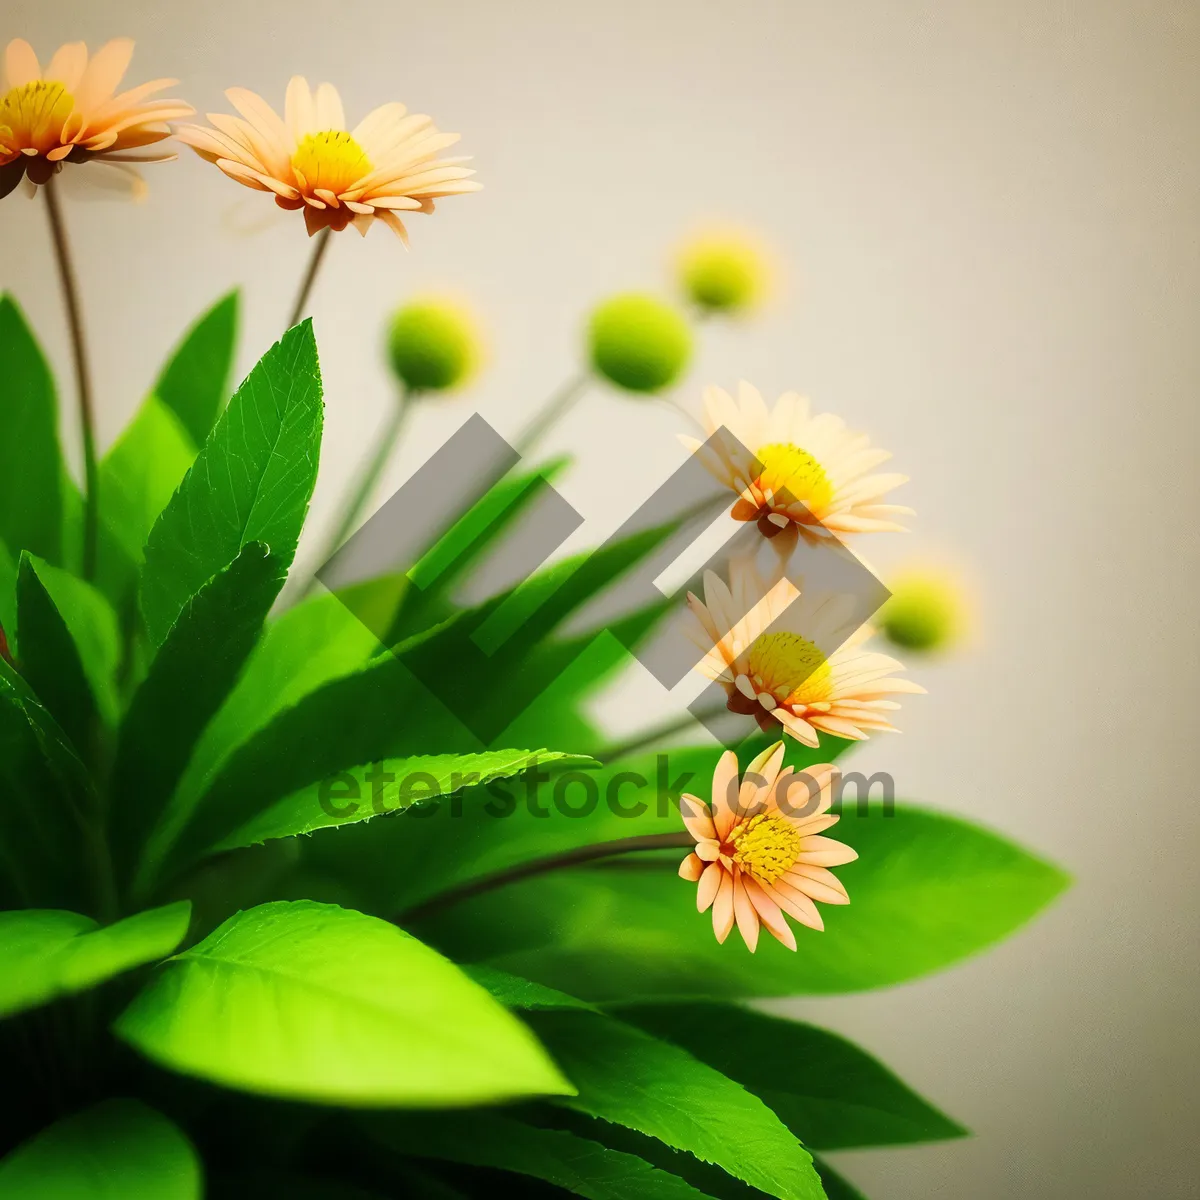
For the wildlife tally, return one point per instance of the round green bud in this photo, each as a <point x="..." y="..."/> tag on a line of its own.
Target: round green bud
<point x="638" y="342"/>
<point x="432" y="345"/>
<point x="925" y="612"/>
<point x="723" y="272"/>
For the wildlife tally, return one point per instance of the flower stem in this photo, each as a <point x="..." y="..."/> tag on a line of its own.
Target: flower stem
<point x="369" y="480"/>
<point x="87" y="424"/>
<point x="560" y="403"/>
<point x="543" y="866"/>
<point x="682" y="724"/>
<point x="310" y="276"/>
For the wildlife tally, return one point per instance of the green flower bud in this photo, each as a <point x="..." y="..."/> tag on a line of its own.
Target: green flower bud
<point x="433" y="345"/>
<point x="638" y="342"/>
<point x="724" y="271"/>
<point x="926" y="612"/>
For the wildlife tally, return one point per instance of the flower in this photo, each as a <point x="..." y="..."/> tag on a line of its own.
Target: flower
<point x="69" y="113"/>
<point x="638" y="342"/>
<point x="433" y="345"/>
<point x="338" y="176"/>
<point x="759" y="850"/>
<point x="723" y="271"/>
<point x="927" y="612"/>
<point x="794" y="659"/>
<point x="812" y="474"/>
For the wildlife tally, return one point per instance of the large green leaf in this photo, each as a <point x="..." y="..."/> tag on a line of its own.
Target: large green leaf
<point x="138" y="476"/>
<point x="391" y="786"/>
<point x="307" y="646"/>
<point x="47" y="817"/>
<point x="825" y="1089"/>
<point x="629" y="1078"/>
<point x="397" y="865"/>
<point x="31" y="466"/>
<point x="8" y="597"/>
<point x="116" y="1151"/>
<point x="47" y="953"/>
<point x="70" y="650"/>
<point x="928" y="889"/>
<point x="560" y="1157"/>
<point x="192" y="674"/>
<point x="319" y="1003"/>
<point x="194" y="384"/>
<point x="251" y="482"/>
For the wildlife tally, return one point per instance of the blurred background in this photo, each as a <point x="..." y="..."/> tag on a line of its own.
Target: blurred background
<point x="986" y="219"/>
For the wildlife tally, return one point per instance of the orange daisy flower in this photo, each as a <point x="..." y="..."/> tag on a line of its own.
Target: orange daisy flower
<point x="793" y="472"/>
<point x="310" y="160"/>
<point x="759" y="851"/>
<point x="793" y="660"/>
<point x="72" y="112"/>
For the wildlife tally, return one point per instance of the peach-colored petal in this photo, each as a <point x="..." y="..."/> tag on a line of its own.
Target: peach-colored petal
<point x="770" y="914"/>
<point x="710" y="884"/>
<point x="20" y="63"/>
<point x="709" y="851"/>
<point x="300" y="112"/>
<point x="825" y="886"/>
<point x="105" y="70"/>
<point x="697" y="818"/>
<point x="722" y="908"/>
<point x="725" y="789"/>
<point x="691" y="869"/>
<point x="67" y="65"/>
<point x="795" y="903"/>
<point x="745" y="914"/>
<point x="328" y="105"/>
<point x="825" y="852"/>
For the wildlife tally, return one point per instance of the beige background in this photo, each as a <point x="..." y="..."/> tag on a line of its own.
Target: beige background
<point x="988" y="217"/>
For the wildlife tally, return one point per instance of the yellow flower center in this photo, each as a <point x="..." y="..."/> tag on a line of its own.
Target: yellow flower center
<point x="765" y="846"/>
<point x="787" y="468"/>
<point x="790" y="667"/>
<point x="332" y="161"/>
<point x="34" y="114"/>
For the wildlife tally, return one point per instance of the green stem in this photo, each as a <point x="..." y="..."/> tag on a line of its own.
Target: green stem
<point x="314" y="265"/>
<point x="559" y="404"/>
<point x="369" y="480"/>
<point x="657" y="733"/>
<point x="543" y="866"/>
<point x="87" y="422"/>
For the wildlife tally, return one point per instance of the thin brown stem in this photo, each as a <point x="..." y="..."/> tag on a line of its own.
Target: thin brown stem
<point x="310" y="276"/>
<point x="87" y="420"/>
<point x="543" y="866"/>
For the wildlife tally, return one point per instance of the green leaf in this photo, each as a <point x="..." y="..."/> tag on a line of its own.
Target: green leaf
<point x="928" y="889"/>
<point x="629" y="1078"/>
<point x="313" y="1002"/>
<point x="561" y="1158"/>
<point x="47" y="953"/>
<point x="251" y="482"/>
<point x="31" y="466"/>
<point x="397" y="865"/>
<point x="388" y="787"/>
<point x="192" y="674"/>
<point x="195" y="382"/>
<point x="47" y="797"/>
<point x="138" y="476"/>
<point x="309" y="645"/>
<point x="825" y="1089"/>
<point x="71" y="649"/>
<point x="8" y="598"/>
<point x="117" y="1150"/>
